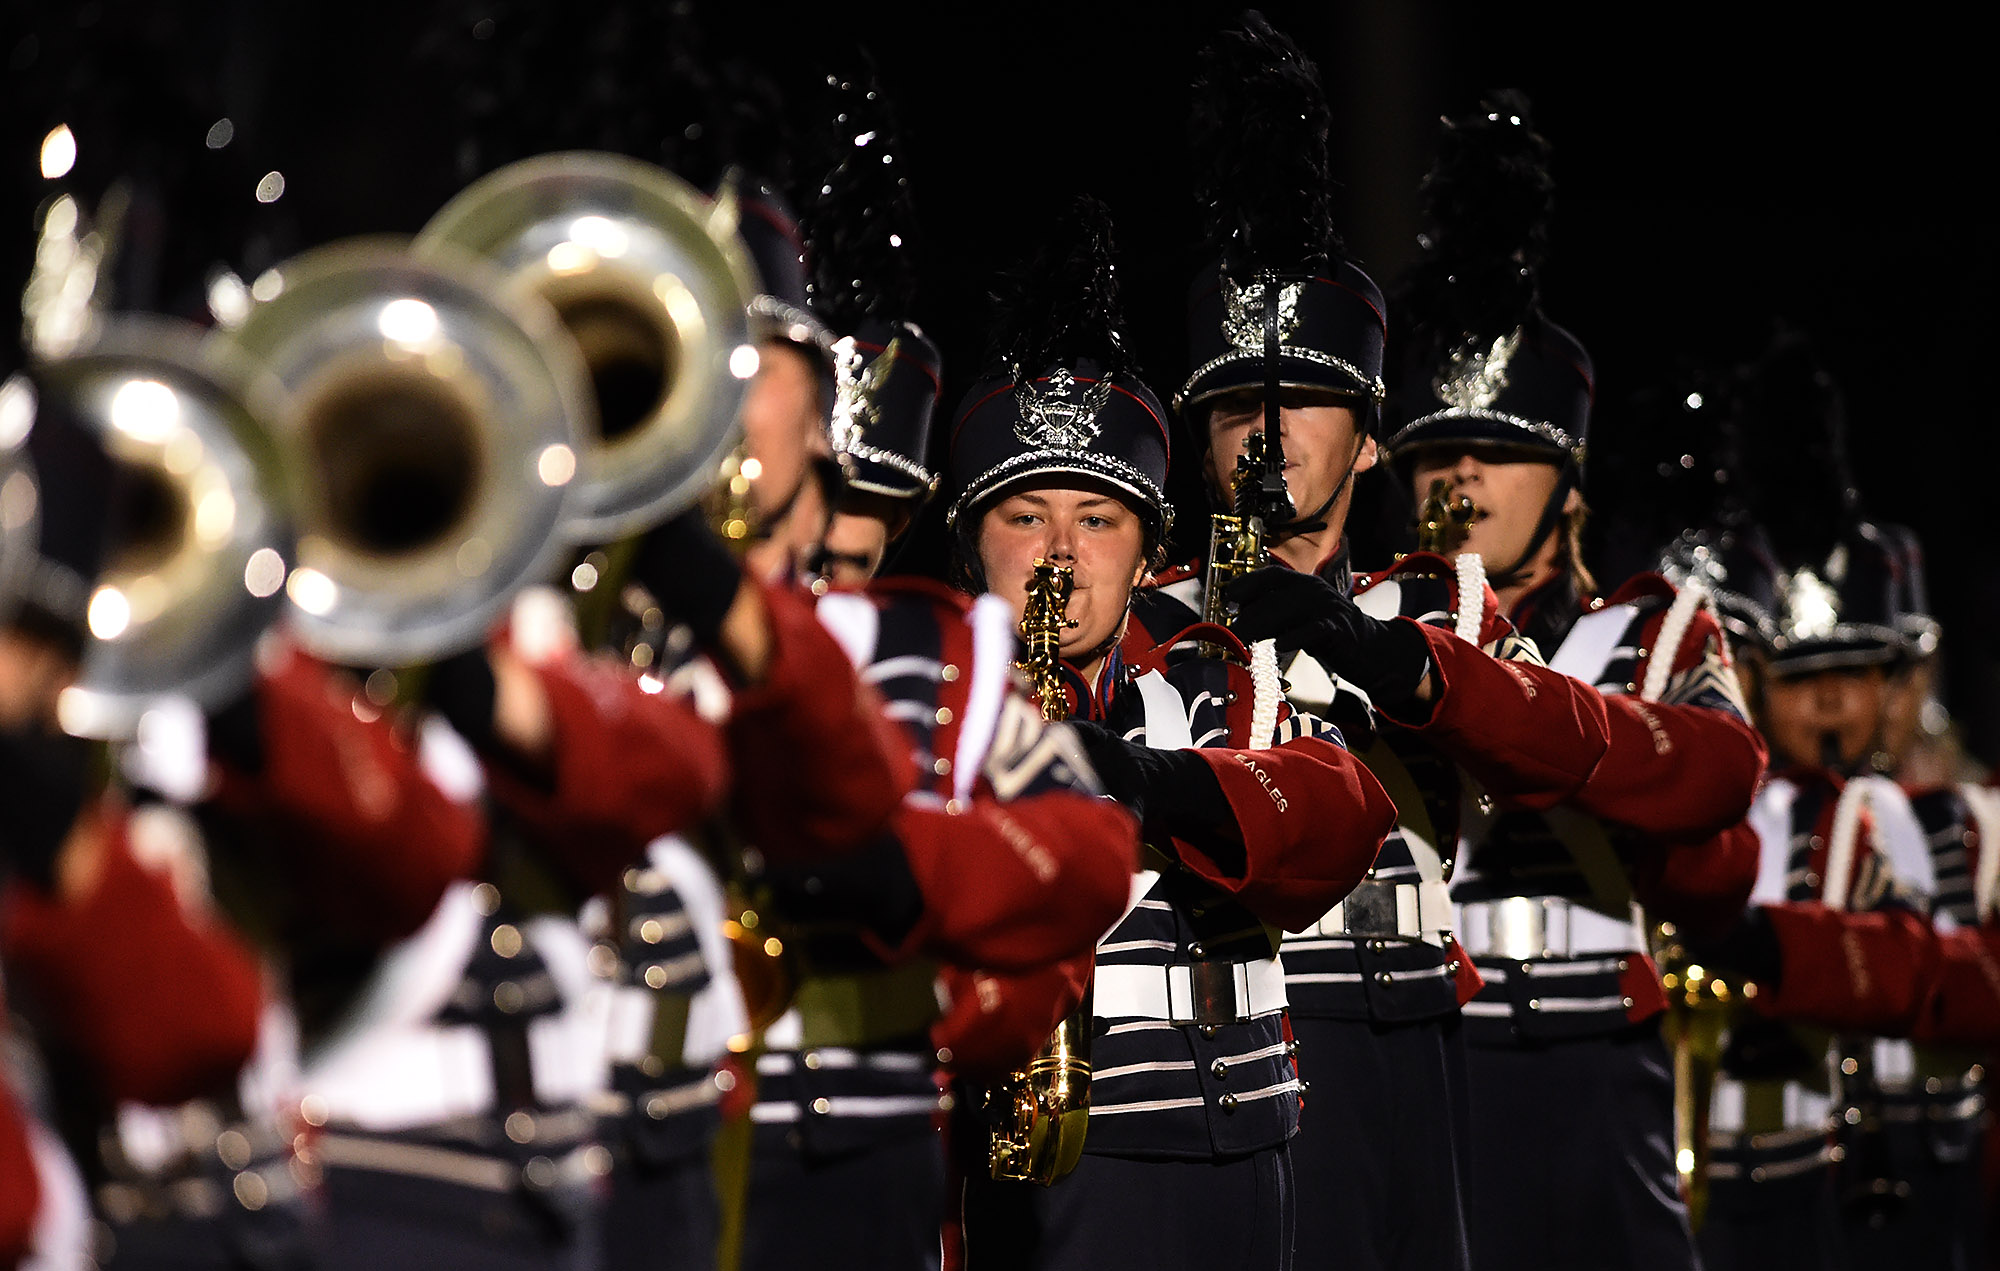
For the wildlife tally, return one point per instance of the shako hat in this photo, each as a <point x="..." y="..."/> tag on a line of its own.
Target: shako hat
<point x="1065" y="396"/>
<point x="860" y="229"/>
<point x="1281" y="303"/>
<point x="1480" y="360"/>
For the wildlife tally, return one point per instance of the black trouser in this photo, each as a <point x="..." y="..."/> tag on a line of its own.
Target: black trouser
<point x="877" y="1208"/>
<point x="272" y="1239"/>
<point x="661" y="1217"/>
<point x="381" y="1221"/>
<point x="1378" y="1159"/>
<point x="1791" y="1221"/>
<point x="1573" y="1155"/>
<point x="1159" y="1215"/>
<point x="1937" y="1227"/>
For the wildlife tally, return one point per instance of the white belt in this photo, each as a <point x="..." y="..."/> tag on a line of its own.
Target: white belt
<point x="1408" y="910"/>
<point x="1202" y="993"/>
<point x="1524" y="928"/>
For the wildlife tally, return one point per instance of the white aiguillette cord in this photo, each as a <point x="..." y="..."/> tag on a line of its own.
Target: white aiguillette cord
<point x="1666" y="650"/>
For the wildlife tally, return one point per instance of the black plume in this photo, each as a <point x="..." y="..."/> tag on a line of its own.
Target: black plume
<point x="1661" y="463"/>
<point x="1792" y="421"/>
<point x="860" y="223"/>
<point x="1062" y="304"/>
<point x="1486" y="207"/>
<point x="1258" y="133"/>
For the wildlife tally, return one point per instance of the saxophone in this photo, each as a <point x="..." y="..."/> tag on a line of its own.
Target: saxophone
<point x="1443" y="522"/>
<point x="1699" y="1006"/>
<point x="1236" y="537"/>
<point x="1040" y="1113"/>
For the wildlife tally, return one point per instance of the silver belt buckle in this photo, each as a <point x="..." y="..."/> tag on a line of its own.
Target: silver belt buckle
<point x="1520" y="927"/>
<point x="1370" y="910"/>
<point x="1213" y="988"/>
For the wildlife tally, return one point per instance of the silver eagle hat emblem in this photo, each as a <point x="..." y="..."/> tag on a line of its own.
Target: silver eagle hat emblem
<point x="857" y="388"/>
<point x="1062" y="416"/>
<point x="1476" y="376"/>
<point x="1243" y="312"/>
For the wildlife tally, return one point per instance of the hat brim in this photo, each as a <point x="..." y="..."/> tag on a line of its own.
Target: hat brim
<point x="1034" y="465"/>
<point x="1493" y="427"/>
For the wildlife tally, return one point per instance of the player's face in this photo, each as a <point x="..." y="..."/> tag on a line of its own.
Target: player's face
<point x="1094" y="533"/>
<point x="783" y="433"/>
<point x="1322" y="440"/>
<point x="1508" y="488"/>
<point x="855" y="545"/>
<point x="1825" y="714"/>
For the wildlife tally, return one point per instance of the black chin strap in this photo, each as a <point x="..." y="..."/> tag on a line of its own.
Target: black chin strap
<point x="1552" y="513"/>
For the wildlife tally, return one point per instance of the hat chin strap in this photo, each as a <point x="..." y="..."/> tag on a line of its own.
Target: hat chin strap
<point x="1552" y="513"/>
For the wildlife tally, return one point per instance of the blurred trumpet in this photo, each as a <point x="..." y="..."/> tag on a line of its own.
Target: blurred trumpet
<point x="198" y="542"/>
<point x="652" y="283"/>
<point x="430" y="425"/>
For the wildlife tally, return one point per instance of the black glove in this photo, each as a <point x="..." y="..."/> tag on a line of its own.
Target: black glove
<point x="690" y="572"/>
<point x="873" y="887"/>
<point x="1172" y="792"/>
<point x="44" y="781"/>
<point x="1304" y="612"/>
<point x="1748" y="950"/>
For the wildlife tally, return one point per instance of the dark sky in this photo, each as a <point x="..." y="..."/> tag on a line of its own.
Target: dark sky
<point x="1717" y="168"/>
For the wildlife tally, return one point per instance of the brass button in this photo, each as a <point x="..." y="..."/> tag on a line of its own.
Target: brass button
<point x="1210" y="1030"/>
<point x="1384" y="979"/>
<point x="1378" y="946"/>
<point x="1627" y="1002"/>
<point x="942" y="767"/>
<point x="811" y="1060"/>
<point x="1534" y="1003"/>
<point x="507" y="940"/>
<point x="656" y="976"/>
<point x="1220" y="1068"/>
<point x="651" y="931"/>
<point x="656" y="1107"/>
<point x="509" y="997"/>
<point x="944" y="714"/>
<point x="1452" y="966"/>
<point x="653" y="1066"/>
<point x="1227" y="1102"/>
<point x="948" y="672"/>
<point x="1197" y="950"/>
<point x="520" y="1126"/>
<point x="725" y="1080"/>
<point x="540" y="1173"/>
<point x="944" y="1055"/>
<point x="822" y="1106"/>
<point x="1623" y="966"/>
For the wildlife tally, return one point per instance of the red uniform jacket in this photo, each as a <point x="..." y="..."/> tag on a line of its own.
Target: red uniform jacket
<point x="627" y="765"/>
<point x="1888" y="972"/>
<point x="1019" y="861"/>
<point x="368" y="842"/>
<point x="163" y="1006"/>
<point x="1308" y="820"/>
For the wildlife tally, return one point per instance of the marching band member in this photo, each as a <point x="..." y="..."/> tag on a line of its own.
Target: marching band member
<point x="1257" y="816"/>
<point x="1571" y="1163"/>
<point x="1375" y="983"/>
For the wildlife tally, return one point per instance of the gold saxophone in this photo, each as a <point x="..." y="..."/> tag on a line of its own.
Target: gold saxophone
<point x="1443" y="522"/>
<point x="1699" y="1007"/>
<point x="1040" y="1113"/>
<point x="1236" y="537"/>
